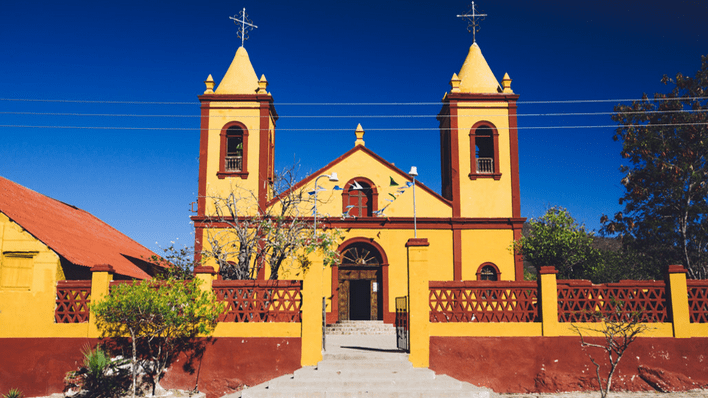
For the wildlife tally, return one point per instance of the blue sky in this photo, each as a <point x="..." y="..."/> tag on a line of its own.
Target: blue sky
<point x="142" y="181"/>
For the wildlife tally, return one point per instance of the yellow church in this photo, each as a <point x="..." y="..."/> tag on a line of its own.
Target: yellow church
<point x="378" y="207"/>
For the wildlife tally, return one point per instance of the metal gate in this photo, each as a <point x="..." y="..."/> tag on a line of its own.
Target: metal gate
<point x="402" y="339"/>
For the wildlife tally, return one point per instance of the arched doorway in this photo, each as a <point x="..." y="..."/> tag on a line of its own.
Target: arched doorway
<point x="360" y="287"/>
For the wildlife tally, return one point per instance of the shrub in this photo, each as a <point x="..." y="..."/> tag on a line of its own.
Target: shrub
<point x="100" y="376"/>
<point x="13" y="393"/>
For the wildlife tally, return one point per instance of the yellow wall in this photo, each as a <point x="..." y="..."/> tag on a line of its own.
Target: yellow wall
<point x="28" y="310"/>
<point x="484" y="197"/>
<point x="249" y="115"/>
<point x="487" y="245"/>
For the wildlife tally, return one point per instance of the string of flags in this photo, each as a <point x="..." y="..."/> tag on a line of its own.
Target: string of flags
<point x="398" y="192"/>
<point x="356" y="186"/>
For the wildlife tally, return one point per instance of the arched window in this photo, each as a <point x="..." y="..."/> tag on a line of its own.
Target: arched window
<point x="361" y="254"/>
<point x="234" y="154"/>
<point x="484" y="145"/>
<point x="359" y="198"/>
<point x="488" y="272"/>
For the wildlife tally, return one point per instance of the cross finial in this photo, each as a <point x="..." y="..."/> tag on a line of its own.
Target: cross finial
<point x="472" y="21"/>
<point x="246" y="25"/>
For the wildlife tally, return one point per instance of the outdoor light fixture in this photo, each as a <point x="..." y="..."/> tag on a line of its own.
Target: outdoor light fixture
<point x="414" y="173"/>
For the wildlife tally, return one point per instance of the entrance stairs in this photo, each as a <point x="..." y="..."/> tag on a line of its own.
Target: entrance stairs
<point x="360" y="328"/>
<point x="358" y="365"/>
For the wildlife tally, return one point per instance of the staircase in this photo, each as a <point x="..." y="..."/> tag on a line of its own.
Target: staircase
<point x="360" y="328"/>
<point x="358" y="365"/>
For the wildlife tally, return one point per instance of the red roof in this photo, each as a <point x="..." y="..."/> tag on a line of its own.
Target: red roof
<point x="72" y="233"/>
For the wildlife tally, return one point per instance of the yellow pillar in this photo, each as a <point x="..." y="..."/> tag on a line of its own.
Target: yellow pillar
<point x="418" y="302"/>
<point x="205" y="275"/>
<point x="311" y="325"/>
<point x="101" y="276"/>
<point x="678" y="296"/>
<point x="549" y="301"/>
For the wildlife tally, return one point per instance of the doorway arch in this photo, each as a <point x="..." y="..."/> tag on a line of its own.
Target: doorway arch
<point x="360" y="282"/>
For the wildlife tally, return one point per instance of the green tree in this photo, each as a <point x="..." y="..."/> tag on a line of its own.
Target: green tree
<point x="665" y="140"/>
<point x="160" y="317"/>
<point x="556" y="239"/>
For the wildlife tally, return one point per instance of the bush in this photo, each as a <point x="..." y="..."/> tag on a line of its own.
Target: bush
<point x="13" y="393"/>
<point x="100" y="376"/>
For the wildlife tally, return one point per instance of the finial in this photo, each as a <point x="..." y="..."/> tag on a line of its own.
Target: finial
<point x="262" y="84"/>
<point x="209" y="85"/>
<point x="506" y="84"/>
<point x="246" y="25"/>
<point x="359" y="135"/>
<point x="472" y="22"/>
<point x="455" y="83"/>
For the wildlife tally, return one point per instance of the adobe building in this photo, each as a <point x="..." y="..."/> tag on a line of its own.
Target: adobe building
<point x="470" y="225"/>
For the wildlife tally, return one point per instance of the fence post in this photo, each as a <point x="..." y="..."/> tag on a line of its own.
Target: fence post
<point x="205" y="275"/>
<point x="678" y="299"/>
<point x="549" y="301"/>
<point x="311" y="342"/>
<point x="101" y="276"/>
<point x="418" y="302"/>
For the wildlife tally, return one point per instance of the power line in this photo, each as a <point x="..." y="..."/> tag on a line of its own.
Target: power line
<point x="346" y="116"/>
<point x="346" y="103"/>
<point x="350" y="129"/>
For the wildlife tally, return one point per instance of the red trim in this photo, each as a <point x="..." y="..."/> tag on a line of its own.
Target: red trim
<point x="496" y="269"/>
<point x="457" y="254"/>
<point x="204" y="270"/>
<point x="374" y="195"/>
<point x="547" y="269"/>
<point x="480" y="97"/>
<point x="376" y="157"/>
<point x="473" y="158"/>
<point x="417" y="242"/>
<point x="398" y="223"/>
<point x="102" y="268"/>
<point x="672" y="269"/>
<point x="514" y="161"/>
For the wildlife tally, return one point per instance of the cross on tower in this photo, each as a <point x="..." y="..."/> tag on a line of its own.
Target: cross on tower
<point x="472" y="22"/>
<point x="246" y="25"/>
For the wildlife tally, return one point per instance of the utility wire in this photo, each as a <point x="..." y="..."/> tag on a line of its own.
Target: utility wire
<point x="349" y="129"/>
<point x="347" y="116"/>
<point x="344" y="103"/>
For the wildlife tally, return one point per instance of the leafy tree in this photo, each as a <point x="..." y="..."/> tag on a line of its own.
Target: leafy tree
<point x="178" y="264"/>
<point x="254" y="238"/>
<point x="665" y="140"/>
<point x="556" y="239"/>
<point x="160" y="317"/>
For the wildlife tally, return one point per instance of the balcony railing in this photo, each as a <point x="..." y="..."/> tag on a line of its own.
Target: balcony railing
<point x="234" y="163"/>
<point x="485" y="165"/>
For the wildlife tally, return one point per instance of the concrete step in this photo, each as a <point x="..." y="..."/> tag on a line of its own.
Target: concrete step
<point x="360" y="327"/>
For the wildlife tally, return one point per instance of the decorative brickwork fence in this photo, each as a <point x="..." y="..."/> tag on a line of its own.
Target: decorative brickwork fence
<point x="698" y="300"/>
<point x="484" y="301"/>
<point x="260" y="300"/>
<point x="73" y="299"/>
<point x="581" y="301"/>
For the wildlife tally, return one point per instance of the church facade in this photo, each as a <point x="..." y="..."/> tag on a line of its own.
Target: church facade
<point x="470" y="225"/>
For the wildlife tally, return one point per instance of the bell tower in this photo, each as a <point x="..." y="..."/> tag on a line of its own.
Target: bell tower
<point x="478" y="142"/>
<point x="237" y="137"/>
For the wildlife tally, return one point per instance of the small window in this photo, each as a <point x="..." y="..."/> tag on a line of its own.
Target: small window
<point x="359" y="198"/>
<point x="488" y="272"/>
<point x="234" y="151"/>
